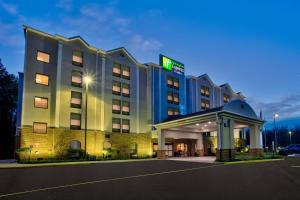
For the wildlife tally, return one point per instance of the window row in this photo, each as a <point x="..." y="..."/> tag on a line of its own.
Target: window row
<point x="116" y="88"/>
<point x="76" y="79"/>
<point x="173" y="97"/>
<point x="121" y="71"/>
<point x="118" y="127"/>
<point x="205" y="91"/>
<point x="77" y="57"/>
<point x="173" y="111"/>
<point x="205" y="104"/>
<point x="117" y="104"/>
<point x="173" y="82"/>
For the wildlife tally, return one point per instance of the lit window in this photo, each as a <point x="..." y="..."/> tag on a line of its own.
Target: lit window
<point x="125" y="108"/>
<point x="176" y="98"/>
<point x="76" y="78"/>
<point x="117" y="70"/>
<point x="77" y="58"/>
<point x="125" y="90"/>
<point x="116" y="125"/>
<point x="43" y="57"/>
<point x="39" y="127"/>
<point x="40" y="102"/>
<point x="116" y="106"/>
<point x="170" y="112"/>
<point x="226" y="98"/>
<point x="170" y="97"/>
<point x="205" y="91"/>
<point x="170" y="81"/>
<point x="75" y="121"/>
<point x="205" y="104"/>
<point x="116" y="88"/>
<point x="176" y="111"/>
<point x="126" y="72"/>
<point x="125" y="126"/>
<point x="176" y="83"/>
<point x="76" y="98"/>
<point x="42" y="79"/>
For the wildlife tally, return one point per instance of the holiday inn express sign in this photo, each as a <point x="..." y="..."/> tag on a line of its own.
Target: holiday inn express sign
<point x="171" y="65"/>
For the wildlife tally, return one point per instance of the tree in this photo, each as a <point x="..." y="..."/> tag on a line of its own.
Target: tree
<point x="8" y="108"/>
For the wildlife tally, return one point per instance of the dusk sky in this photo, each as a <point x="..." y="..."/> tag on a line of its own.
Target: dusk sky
<point x="252" y="45"/>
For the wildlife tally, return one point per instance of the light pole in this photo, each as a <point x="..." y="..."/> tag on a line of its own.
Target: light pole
<point x="275" y="131"/>
<point x="87" y="80"/>
<point x="290" y="133"/>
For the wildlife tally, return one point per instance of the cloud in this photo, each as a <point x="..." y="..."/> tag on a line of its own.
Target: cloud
<point x="141" y="43"/>
<point x="286" y="107"/>
<point x="9" y="8"/>
<point x="65" y="5"/>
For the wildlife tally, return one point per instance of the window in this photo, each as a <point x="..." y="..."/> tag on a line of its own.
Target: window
<point x="77" y="58"/>
<point x="76" y="98"/>
<point x="176" y="111"/>
<point x="170" y="81"/>
<point x="75" y="122"/>
<point x="125" y="90"/>
<point x="76" y="78"/>
<point x="176" y="98"/>
<point x="205" y="104"/>
<point x="40" y="102"/>
<point x="41" y="79"/>
<point x="39" y="127"/>
<point x="125" y="108"/>
<point x="176" y="83"/>
<point x="116" y="88"/>
<point x="117" y="70"/>
<point x="170" y="97"/>
<point x="43" y="57"/>
<point x="226" y="98"/>
<point x="126" y="72"/>
<point x="205" y="91"/>
<point x="116" y="106"/>
<point x="170" y="112"/>
<point x="116" y="125"/>
<point x="125" y="126"/>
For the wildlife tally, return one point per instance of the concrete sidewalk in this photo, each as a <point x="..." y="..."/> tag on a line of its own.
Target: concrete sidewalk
<point x="202" y="159"/>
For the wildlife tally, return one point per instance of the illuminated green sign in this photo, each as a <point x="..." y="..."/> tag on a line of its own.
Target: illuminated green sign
<point x="171" y="65"/>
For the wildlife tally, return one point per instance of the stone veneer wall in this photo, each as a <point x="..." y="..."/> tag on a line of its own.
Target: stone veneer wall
<point x="57" y="140"/>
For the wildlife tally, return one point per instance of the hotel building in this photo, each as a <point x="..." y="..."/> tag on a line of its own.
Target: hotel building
<point x="133" y="108"/>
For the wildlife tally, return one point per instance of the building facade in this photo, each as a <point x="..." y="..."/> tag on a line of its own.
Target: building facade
<point x="118" y="110"/>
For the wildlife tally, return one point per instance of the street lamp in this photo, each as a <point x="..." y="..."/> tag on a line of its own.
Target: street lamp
<point x="87" y="80"/>
<point x="275" y="130"/>
<point x="290" y="133"/>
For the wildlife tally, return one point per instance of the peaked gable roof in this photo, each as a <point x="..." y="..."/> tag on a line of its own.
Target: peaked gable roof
<point x="124" y="50"/>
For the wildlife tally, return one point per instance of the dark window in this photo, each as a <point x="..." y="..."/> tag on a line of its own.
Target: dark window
<point x="76" y="99"/>
<point x="176" y="83"/>
<point x="170" y="97"/>
<point x="170" y="81"/>
<point x="170" y="112"/>
<point x="176" y="98"/>
<point x="75" y="121"/>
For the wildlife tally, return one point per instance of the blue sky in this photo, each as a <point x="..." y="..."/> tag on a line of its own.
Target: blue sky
<point x="253" y="45"/>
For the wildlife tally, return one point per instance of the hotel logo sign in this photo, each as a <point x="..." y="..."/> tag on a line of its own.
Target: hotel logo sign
<point x="171" y="65"/>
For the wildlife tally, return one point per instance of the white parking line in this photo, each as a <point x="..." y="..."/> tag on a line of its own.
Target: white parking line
<point x="107" y="180"/>
<point x="295" y="166"/>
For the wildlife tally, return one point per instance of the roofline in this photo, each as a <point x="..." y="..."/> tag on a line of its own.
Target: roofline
<point x="207" y="114"/>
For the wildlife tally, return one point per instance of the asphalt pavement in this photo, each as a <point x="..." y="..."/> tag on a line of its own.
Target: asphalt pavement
<point x="156" y="179"/>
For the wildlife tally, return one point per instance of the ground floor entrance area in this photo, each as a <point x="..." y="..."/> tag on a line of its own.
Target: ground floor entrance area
<point x="218" y="132"/>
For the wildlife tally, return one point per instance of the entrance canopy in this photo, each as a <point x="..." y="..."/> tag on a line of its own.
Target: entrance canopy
<point x="222" y="121"/>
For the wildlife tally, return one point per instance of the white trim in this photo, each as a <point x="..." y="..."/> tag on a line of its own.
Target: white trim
<point x="58" y="85"/>
<point x="137" y="100"/>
